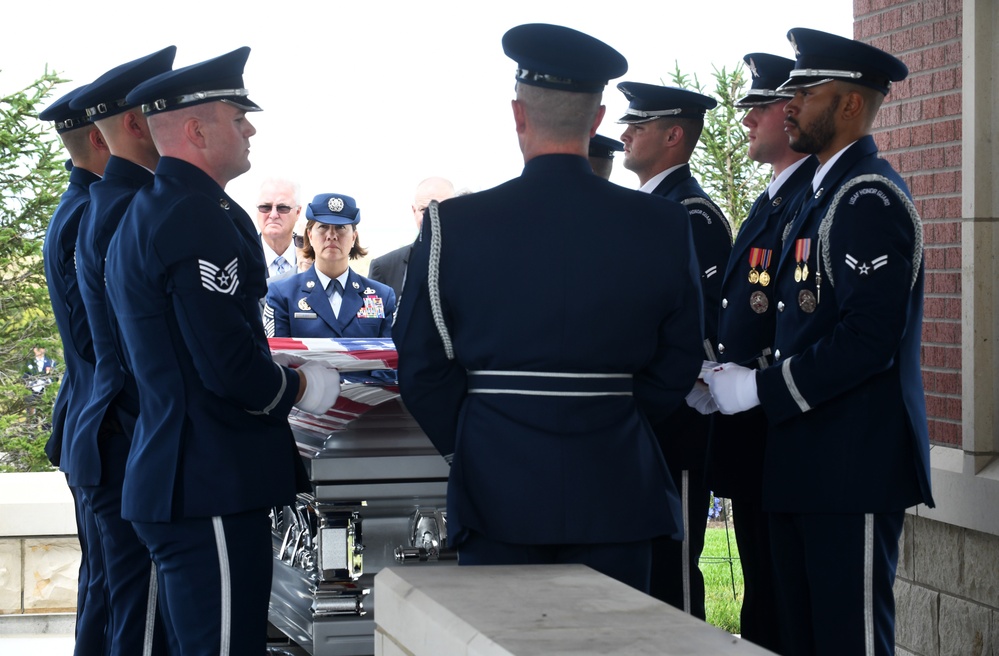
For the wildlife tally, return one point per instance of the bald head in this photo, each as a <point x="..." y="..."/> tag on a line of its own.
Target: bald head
<point x="430" y="189"/>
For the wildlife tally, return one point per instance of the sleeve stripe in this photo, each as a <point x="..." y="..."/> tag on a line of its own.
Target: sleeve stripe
<point x="792" y="387"/>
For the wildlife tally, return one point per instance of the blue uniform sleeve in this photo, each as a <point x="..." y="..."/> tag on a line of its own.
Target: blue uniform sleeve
<point x="433" y="387"/>
<point x="713" y="246"/>
<point x="871" y="254"/>
<point x="211" y="284"/>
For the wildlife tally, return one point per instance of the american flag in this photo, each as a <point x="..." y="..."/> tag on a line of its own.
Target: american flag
<point x="367" y="378"/>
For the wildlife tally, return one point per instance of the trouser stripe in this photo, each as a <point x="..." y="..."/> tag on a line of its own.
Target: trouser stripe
<point x="147" y="638"/>
<point x="225" y="586"/>
<point x="685" y="557"/>
<point x="869" y="584"/>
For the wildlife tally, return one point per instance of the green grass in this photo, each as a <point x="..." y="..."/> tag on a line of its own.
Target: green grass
<point x="721" y="605"/>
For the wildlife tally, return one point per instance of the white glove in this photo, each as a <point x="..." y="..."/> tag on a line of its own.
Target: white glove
<point x="286" y="359"/>
<point x="700" y="399"/>
<point x="322" y="387"/>
<point x="733" y="388"/>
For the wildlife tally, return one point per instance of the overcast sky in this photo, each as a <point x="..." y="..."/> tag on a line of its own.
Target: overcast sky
<point x="368" y="98"/>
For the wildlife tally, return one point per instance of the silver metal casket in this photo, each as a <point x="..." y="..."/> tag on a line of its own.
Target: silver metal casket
<point x="377" y="499"/>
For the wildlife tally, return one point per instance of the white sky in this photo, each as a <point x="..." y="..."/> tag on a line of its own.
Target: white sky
<point x="369" y="98"/>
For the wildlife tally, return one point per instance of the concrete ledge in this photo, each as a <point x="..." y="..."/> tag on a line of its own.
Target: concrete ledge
<point x="542" y="610"/>
<point x="63" y="624"/>
<point x="36" y="504"/>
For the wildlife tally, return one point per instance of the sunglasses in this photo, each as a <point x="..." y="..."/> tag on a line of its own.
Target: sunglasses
<point x="281" y="209"/>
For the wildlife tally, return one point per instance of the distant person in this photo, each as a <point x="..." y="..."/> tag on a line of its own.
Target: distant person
<point x="601" y="155"/>
<point x="278" y="210"/>
<point x="746" y="326"/>
<point x="107" y="420"/>
<point x="212" y="451"/>
<point x="38" y="370"/>
<point x="330" y="299"/>
<point x="541" y="409"/>
<point x="663" y="127"/>
<point x="391" y="267"/>
<point x="847" y="447"/>
<point x="89" y="154"/>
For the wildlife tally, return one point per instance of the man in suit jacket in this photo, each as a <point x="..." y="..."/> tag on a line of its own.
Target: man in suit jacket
<point x="505" y="356"/>
<point x="391" y="267"/>
<point x="664" y="124"/>
<point x="278" y="209"/>
<point x="746" y="328"/>
<point x="847" y="447"/>
<point x="89" y="155"/>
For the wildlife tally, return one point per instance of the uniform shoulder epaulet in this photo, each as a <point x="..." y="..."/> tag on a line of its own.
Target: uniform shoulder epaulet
<point x="851" y="191"/>
<point x="697" y="205"/>
<point x="433" y="279"/>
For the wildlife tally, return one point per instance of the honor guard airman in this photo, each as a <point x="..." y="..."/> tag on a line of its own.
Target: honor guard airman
<point x="601" y="154"/>
<point x="746" y="326"/>
<point x="88" y="154"/>
<point x="107" y="421"/>
<point x="212" y="450"/>
<point x="664" y="124"/>
<point x="505" y="356"/>
<point x="847" y="447"/>
<point x="330" y="299"/>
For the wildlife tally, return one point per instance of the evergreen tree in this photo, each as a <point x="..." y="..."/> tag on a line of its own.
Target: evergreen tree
<point x="721" y="161"/>
<point x="32" y="179"/>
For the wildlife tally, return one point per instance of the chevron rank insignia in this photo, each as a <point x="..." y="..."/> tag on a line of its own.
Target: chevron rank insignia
<point x="865" y="268"/>
<point x="219" y="279"/>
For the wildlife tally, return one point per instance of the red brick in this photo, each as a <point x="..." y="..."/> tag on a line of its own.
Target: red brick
<point x="934" y="9"/>
<point x="942" y="382"/>
<point x="901" y="137"/>
<point x="922" y="36"/>
<point x="922" y="134"/>
<point x="936" y="57"/>
<point x="947" y="357"/>
<point x="931" y="108"/>
<point x="952" y="156"/>
<point x="897" y="43"/>
<point x="891" y="20"/>
<point x="910" y="160"/>
<point x="942" y="332"/>
<point x="861" y="7"/>
<point x="953" y="51"/>
<point x="942" y="233"/>
<point x="912" y="13"/>
<point x="945" y="433"/>
<point x="944" y="80"/>
<point x="952" y="105"/>
<point x="942" y="407"/>
<point x="938" y="258"/>
<point x="946" y="30"/>
<point x="882" y="140"/>
<point x="921" y="185"/>
<point x="892" y="114"/>
<point x="946" y="182"/>
<point x="942" y="308"/>
<point x="922" y="85"/>
<point x="945" y="132"/>
<point x="933" y="158"/>
<point x="955" y="7"/>
<point x="946" y="283"/>
<point x="868" y="26"/>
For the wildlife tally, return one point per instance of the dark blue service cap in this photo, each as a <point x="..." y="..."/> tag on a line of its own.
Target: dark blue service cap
<point x="65" y="117"/>
<point x="647" y="102"/>
<point x="604" y="147"/>
<point x="556" y="57"/>
<point x="333" y="209"/>
<point x="105" y="96"/>
<point x="824" y="57"/>
<point x="769" y="72"/>
<point x="219" y="79"/>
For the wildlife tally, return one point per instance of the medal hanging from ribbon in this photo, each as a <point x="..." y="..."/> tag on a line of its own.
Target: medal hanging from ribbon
<point x="802" y="249"/>
<point x="765" y="264"/>
<point x="755" y="255"/>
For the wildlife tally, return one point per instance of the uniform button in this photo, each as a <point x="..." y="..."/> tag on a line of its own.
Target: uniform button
<point x="780" y="306"/>
<point x="721" y="347"/>
<point x="724" y="303"/>
<point x="777" y="354"/>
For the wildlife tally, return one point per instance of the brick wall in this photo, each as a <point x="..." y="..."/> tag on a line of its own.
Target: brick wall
<point x="919" y="131"/>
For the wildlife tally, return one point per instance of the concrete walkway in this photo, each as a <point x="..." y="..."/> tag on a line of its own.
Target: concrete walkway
<point x="37" y="635"/>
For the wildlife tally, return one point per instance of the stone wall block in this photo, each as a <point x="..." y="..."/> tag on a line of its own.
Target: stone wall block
<point x="916" y="618"/>
<point x="51" y="568"/>
<point x="938" y="554"/>
<point x="981" y="568"/>
<point x="905" y="550"/>
<point x="965" y="628"/>
<point x="10" y="576"/>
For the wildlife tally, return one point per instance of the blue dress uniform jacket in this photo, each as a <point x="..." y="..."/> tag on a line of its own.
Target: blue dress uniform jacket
<point x="526" y="285"/>
<point x="844" y="398"/>
<point x="746" y="328"/>
<point x="298" y="307"/>
<point x="59" y="252"/>
<point x="114" y="395"/>
<point x="185" y="273"/>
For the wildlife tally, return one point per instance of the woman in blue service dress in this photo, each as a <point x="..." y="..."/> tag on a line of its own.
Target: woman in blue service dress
<point x="330" y="299"/>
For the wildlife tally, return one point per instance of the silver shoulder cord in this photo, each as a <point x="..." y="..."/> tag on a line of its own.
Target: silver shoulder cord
<point x="433" y="279"/>
<point x="823" y="256"/>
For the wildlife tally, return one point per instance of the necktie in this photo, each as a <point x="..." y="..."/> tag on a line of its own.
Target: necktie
<point x="334" y="286"/>
<point x="283" y="265"/>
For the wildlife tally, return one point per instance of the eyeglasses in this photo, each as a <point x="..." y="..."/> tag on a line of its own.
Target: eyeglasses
<point x="281" y="209"/>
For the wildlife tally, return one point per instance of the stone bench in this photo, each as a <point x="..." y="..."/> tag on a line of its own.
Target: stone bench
<point x="39" y="550"/>
<point x="542" y="610"/>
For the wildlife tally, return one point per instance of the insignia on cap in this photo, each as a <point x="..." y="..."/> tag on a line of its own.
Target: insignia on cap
<point x="752" y="68"/>
<point x="335" y="204"/>
<point x="303" y="304"/>
<point x="310" y="284"/>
